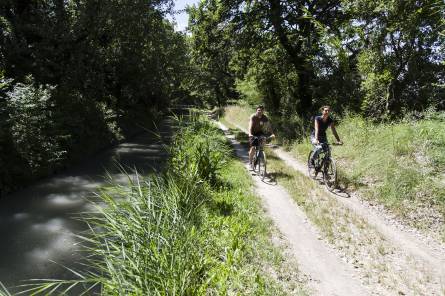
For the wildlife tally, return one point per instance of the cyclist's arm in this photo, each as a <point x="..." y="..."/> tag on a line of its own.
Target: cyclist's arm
<point x="250" y="126"/>
<point x="316" y="130"/>
<point x="269" y="126"/>
<point x="334" y="131"/>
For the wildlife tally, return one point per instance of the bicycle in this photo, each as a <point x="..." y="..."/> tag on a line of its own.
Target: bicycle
<point x="259" y="163"/>
<point x="325" y="164"/>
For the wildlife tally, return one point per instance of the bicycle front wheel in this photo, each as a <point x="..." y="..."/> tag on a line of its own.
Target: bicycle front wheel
<point x="262" y="166"/>
<point x="330" y="174"/>
<point x="312" y="172"/>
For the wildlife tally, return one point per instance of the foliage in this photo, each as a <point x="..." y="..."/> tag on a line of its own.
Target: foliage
<point x="374" y="57"/>
<point x="210" y="50"/>
<point x="97" y="71"/>
<point x="198" y="151"/>
<point x="30" y="111"/>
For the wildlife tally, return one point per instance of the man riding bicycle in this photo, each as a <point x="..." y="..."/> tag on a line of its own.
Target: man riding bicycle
<point x="259" y="124"/>
<point x="318" y="134"/>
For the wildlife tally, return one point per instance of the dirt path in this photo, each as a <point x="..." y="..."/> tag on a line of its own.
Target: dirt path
<point x="328" y="275"/>
<point x="36" y="224"/>
<point x="406" y="255"/>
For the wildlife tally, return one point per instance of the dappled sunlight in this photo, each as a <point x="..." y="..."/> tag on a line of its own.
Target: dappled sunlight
<point x="53" y="225"/>
<point x="20" y="216"/>
<point x="64" y="183"/>
<point x="55" y="250"/>
<point x="64" y="201"/>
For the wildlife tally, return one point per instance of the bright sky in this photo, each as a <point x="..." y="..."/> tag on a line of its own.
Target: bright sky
<point x="182" y="18"/>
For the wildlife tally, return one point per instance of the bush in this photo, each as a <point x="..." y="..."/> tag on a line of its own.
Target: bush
<point x="199" y="151"/>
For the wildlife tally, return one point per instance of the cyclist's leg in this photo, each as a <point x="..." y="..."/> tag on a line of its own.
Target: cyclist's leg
<point x="317" y="149"/>
<point x="252" y="143"/>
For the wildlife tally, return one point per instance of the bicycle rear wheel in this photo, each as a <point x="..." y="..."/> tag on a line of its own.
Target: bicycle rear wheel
<point x="330" y="174"/>
<point x="262" y="165"/>
<point x="312" y="172"/>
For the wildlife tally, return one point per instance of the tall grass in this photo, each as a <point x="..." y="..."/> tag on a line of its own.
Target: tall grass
<point x="191" y="231"/>
<point x="199" y="151"/>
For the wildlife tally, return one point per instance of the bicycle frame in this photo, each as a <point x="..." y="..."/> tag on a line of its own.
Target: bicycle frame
<point x="325" y="154"/>
<point x="325" y="164"/>
<point x="260" y="157"/>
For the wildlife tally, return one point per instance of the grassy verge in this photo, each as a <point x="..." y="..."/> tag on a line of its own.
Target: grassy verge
<point x="196" y="230"/>
<point x="399" y="165"/>
<point x="238" y="114"/>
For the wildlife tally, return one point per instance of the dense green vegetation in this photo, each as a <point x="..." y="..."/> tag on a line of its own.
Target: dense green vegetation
<point x="76" y="76"/>
<point x="188" y="232"/>
<point x="377" y="58"/>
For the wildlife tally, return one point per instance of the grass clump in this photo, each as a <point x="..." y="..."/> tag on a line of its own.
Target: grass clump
<point x="199" y="151"/>
<point x="194" y="230"/>
<point x="239" y="115"/>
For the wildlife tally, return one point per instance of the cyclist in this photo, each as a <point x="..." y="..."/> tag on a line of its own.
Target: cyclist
<point x="259" y="124"/>
<point x="318" y="134"/>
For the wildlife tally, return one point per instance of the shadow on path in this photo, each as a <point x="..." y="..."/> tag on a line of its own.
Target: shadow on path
<point x="37" y="225"/>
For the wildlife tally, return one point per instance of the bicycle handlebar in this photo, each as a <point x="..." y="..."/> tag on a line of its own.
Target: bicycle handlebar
<point x="262" y="137"/>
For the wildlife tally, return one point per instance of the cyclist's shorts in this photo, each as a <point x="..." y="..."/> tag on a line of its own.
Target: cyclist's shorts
<point x="313" y="142"/>
<point x="253" y="141"/>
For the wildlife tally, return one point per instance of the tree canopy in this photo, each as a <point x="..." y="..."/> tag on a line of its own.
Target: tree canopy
<point x="379" y="58"/>
<point x="75" y="73"/>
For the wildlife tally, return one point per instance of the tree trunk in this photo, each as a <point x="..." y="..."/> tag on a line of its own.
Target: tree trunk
<point x="294" y="51"/>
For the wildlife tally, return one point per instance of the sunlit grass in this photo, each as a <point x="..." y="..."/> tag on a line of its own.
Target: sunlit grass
<point x="238" y="115"/>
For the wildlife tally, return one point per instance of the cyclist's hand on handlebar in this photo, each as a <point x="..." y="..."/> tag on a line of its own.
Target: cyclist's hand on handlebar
<point x="272" y="136"/>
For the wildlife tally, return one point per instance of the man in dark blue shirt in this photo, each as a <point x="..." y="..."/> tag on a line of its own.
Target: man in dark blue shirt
<point x="318" y="135"/>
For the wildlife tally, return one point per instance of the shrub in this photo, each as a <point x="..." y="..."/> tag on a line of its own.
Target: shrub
<point x="198" y="151"/>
